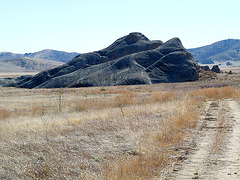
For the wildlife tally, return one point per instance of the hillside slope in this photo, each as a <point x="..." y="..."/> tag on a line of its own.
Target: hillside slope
<point x="9" y="68"/>
<point x="27" y="64"/>
<point x="221" y="51"/>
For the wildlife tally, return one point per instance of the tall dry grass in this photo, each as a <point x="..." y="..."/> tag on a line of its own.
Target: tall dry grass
<point x="154" y="150"/>
<point x="135" y="167"/>
<point x="214" y="93"/>
<point x="4" y="113"/>
<point x="161" y="96"/>
<point x="98" y="103"/>
<point x="108" y="134"/>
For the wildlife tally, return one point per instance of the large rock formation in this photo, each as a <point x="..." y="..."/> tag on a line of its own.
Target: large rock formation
<point x="132" y="59"/>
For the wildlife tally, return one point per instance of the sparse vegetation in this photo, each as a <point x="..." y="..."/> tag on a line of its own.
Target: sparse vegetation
<point x="116" y="133"/>
<point x="102" y="89"/>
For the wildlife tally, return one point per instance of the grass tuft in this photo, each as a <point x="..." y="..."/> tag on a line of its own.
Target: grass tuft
<point x="161" y="96"/>
<point x="4" y="113"/>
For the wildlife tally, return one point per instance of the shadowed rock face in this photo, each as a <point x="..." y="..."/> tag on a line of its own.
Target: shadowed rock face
<point x="205" y="68"/>
<point x="132" y="59"/>
<point x="216" y="69"/>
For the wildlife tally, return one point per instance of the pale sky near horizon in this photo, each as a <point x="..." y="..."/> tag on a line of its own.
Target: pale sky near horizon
<point x="86" y="26"/>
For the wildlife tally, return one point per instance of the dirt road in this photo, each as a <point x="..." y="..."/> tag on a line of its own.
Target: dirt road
<point x="217" y="151"/>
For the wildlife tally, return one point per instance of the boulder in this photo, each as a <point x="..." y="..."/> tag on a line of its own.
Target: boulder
<point x="216" y="69"/>
<point x="205" y="68"/>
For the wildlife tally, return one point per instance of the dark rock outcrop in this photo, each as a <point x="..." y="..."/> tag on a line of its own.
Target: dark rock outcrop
<point x="216" y="69"/>
<point x="132" y="59"/>
<point x="205" y="68"/>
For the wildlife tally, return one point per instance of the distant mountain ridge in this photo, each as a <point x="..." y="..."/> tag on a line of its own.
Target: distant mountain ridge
<point x="47" y="54"/>
<point x="38" y="61"/>
<point x="221" y="51"/>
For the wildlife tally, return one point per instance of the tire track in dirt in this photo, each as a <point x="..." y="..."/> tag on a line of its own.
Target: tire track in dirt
<point x="217" y="152"/>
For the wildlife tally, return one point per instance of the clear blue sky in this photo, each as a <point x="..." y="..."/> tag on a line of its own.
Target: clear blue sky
<point x="89" y="25"/>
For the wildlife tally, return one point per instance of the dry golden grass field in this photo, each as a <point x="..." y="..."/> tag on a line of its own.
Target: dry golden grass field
<point x="123" y="132"/>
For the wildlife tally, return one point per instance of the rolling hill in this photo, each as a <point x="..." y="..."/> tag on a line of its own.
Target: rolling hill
<point x="219" y="52"/>
<point x="47" y="54"/>
<point x="27" y="65"/>
<point x="52" y="55"/>
<point x="34" y="62"/>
